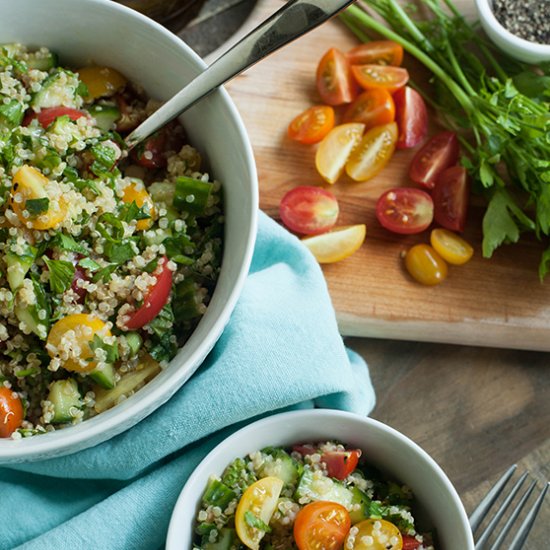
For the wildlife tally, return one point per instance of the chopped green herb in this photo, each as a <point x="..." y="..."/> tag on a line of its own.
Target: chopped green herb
<point x="61" y="274"/>
<point x="35" y="207"/>
<point x="256" y="522"/>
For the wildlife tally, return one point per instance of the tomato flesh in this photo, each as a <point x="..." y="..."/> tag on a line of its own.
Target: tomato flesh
<point x="340" y="464"/>
<point x="373" y="108"/>
<point x="411" y="116"/>
<point x="312" y="125"/>
<point x="405" y="210"/>
<point x="334" y="80"/>
<point x="451" y="247"/>
<point x="437" y="154"/>
<point x="377" y="52"/>
<point x="410" y="543"/>
<point x="152" y="153"/>
<point x="155" y="299"/>
<point x="379" y="76"/>
<point x="375" y="534"/>
<point x="309" y="210"/>
<point x="425" y="265"/>
<point x="321" y="526"/>
<point x="11" y="412"/>
<point x="451" y="196"/>
<point x="47" y="116"/>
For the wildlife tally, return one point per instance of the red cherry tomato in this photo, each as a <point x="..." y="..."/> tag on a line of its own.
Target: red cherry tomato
<point x="405" y="210"/>
<point x="410" y="543"/>
<point x="312" y="125"/>
<point x="437" y="154"/>
<point x="379" y="76"/>
<point x="152" y="153"/>
<point x="11" y="412"/>
<point x="373" y="108"/>
<point x="334" y="81"/>
<point x="309" y="210"/>
<point x="411" y="116"/>
<point x="340" y="464"/>
<point x="47" y="116"/>
<point x="377" y="52"/>
<point x="451" y="196"/>
<point x="155" y="299"/>
<point x="304" y="450"/>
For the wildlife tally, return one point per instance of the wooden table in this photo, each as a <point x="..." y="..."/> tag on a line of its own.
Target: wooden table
<point x="474" y="410"/>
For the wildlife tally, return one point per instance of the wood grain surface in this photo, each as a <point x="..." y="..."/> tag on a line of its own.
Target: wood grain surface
<point x="497" y="302"/>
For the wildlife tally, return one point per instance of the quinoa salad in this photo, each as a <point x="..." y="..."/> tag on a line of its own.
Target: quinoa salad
<point x="321" y="495"/>
<point x="108" y="259"/>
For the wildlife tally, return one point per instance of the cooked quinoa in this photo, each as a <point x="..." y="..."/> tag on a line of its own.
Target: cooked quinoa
<point x="107" y="260"/>
<point x="273" y="498"/>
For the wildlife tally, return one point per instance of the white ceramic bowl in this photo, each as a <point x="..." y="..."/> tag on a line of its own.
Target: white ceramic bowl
<point x="105" y="32"/>
<point x="438" y="503"/>
<point x="523" y="50"/>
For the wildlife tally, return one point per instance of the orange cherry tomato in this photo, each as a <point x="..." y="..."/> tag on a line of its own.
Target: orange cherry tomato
<point x="11" y="412"/>
<point x="451" y="247"/>
<point x="321" y="525"/>
<point x="312" y="125"/>
<point x="378" y="76"/>
<point x="373" y="108"/>
<point x="334" y="81"/>
<point x="373" y="152"/>
<point x="425" y="265"/>
<point x="377" y="52"/>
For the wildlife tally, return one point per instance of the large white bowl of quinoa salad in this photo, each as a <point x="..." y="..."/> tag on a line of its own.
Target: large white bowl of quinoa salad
<point x="318" y="479"/>
<point x="118" y="272"/>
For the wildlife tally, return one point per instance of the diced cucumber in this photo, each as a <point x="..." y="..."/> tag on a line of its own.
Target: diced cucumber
<point x="18" y="266"/>
<point x="134" y="342"/>
<point x="282" y="466"/>
<point x="37" y="315"/>
<point x="66" y="400"/>
<point x="218" y="493"/>
<point x="226" y="539"/>
<point x="191" y="195"/>
<point x="42" y="62"/>
<point x="104" y="375"/>
<point x="162" y="191"/>
<point x="60" y="88"/>
<point x="105" y="115"/>
<point x="29" y="316"/>
<point x="361" y="512"/>
<point x="327" y="489"/>
<point x="11" y="50"/>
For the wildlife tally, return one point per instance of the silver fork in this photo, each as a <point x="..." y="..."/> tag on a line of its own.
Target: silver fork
<point x="479" y="514"/>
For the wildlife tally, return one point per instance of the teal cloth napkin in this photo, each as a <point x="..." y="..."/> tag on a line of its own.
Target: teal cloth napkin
<point x="280" y="350"/>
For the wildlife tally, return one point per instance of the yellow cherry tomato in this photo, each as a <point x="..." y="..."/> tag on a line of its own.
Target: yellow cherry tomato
<point x="260" y="500"/>
<point x="335" y="149"/>
<point x="37" y="201"/>
<point x="425" y="265"/>
<point x="135" y="192"/>
<point x="337" y="244"/>
<point x="373" y="152"/>
<point x="70" y="339"/>
<point x="101" y="81"/>
<point x="451" y="247"/>
<point x="374" y="534"/>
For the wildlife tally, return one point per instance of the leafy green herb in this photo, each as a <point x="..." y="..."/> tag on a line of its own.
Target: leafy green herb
<point x="163" y="348"/>
<point x="178" y="248"/>
<point x="256" y="522"/>
<point x="35" y="207"/>
<point x="105" y="158"/>
<point x="68" y="243"/>
<point x="12" y="112"/>
<point x="119" y="253"/>
<point x="130" y="212"/>
<point x="42" y="304"/>
<point x="61" y="274"/>
<point x="89" y="265"/>
<point x="104" y="274"/>
<point x="111" y="350"/>
<point x="31" y="371"/>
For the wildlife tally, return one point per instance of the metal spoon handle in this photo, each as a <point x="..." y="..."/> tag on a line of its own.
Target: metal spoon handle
<point x="294" y="19"/>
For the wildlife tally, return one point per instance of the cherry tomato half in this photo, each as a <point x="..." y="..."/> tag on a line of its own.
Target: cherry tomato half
<point x="450" y="246"/>
<point x="340" y="464"/>
<point x="411" y="116"/>
<point x="334" y="80"/>
<point x="312" y="125"/>
<point x="47" y="116"/>
<point x="377" y="52"/>
<point x="321" y="525"/>
<point x="425" y="265"/>
<point x="410" y="543"/>
<point x="437" y="154"/>
<point x="373" y="108"/>
<point x="152" y="153"/>
<point x="378" y="76"/>
<point x="451" y="196"/>
<point x="156" y="297"/>
<point x="405" y="210"/>
<point x="375" y="534"/>
<point x="309" y="210"/>
<point x="11" y="412"/>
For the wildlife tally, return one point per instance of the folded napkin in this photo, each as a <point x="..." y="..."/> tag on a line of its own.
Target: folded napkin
<point x="280" y="350"/>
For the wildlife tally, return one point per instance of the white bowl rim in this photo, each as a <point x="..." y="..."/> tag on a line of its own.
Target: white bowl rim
<point x="265" y="423"/>
<point x="89" y="433"/>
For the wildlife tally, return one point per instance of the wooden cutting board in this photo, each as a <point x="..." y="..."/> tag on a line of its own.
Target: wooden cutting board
<point x="498" y="302"/>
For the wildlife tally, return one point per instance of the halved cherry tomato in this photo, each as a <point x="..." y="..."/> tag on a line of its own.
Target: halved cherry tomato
<point x="410" y="543"/>
<point x="375" y="534"/>
<point x="312" y="125"/>
<point x="451" y="196"/>
<point x="335" y="149"/>
<point x="450" y="246"/>
<point x="378" y="76"/>
<point x="136" y="192"/>
<point x="338" y="244"/>
<point x="309" y="210"/>
<point x="101" y="81"/>
<point x="437" y="154"/>
<point x="405" y="210"/>
<point x="340" y="464"/>
<point x="152" y="153"/>
<point x="47" y="116"/>
<point x="377" y="52"/>
<point x="373" y="152"/>
<point x="334" y="80"/>
<point x="425" y="265"/>
<point x="156" y="297"/>
<point x="373" y="108"/>
<point x="321" y="525"/>
<point x="11" y="412"/>
<point x="411" y="116"/>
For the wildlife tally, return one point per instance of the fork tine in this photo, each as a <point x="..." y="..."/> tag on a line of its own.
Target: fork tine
<point x="483" y="507"/>
<point x="519" y="540"/>
<point x="484" y="537"/>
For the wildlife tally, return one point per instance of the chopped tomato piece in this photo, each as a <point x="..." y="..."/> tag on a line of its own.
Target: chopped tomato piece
<point x="334" y="81"/>
<point x="152" y="153"/>
<point x="375" y="534"/>
<point x="411" y="116"/>
<point x="101" y="81"/>
<point x="312" y="125"/>
<point x="405" y="210"/>
<point x="11" y="412"/>
<point x="379" y="76"/>
<point x="377" y="52"/>
<point x="410" y="543"/>
<point x="340" y="464"/>
<point x="373" y="108"/>
<point x="451" y="195"/>
<point x="47" y="116"/>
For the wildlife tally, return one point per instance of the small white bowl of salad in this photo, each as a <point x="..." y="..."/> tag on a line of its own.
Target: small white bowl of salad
<point x="318" y="479"/>
<point x="118" y="272"/>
